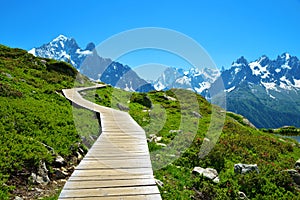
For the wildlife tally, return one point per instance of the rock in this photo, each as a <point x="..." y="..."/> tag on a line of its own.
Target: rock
<point x="59" y="174"/>
<point x="44" y="62"/>
<point x="216" y="180"/>
<point x="161" y="144"/>
<point x="122" y="107"/>
<point x="159" y="183"/>
<point x="79" y="156"/>
<point x="41" y="177"/>
<point x="209" y="173"/>
<point x="154" y="138"/>
<point x="158" y="139"/>
<point x="38" y="189"/>
<point x="175" y="131"/>
<point x="206" y="140"/>
<point x="59" y="161"/>
<point x="297" y="164"/>
<point x="242" y="195"/>
<point x="295" y="175"/>
<point x="245" y="168"/>
<point x="18" y="198"/>
<point x="169" y="98"/>
<point x="196" y="114"/>
<point x="8" y="75"/>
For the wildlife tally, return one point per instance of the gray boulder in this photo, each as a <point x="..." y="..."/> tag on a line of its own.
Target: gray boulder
<point x="41" y="177"/>
<point x="60" y="174"/>
<point x="209" y="173"/>
<point x="295" y="175"/>
<point x="169" y="98"/>
<point x="245" y="168"/>
<point x="196" y="114"/>
<point x="297" y="164"/>
<point x="59" y="161"/>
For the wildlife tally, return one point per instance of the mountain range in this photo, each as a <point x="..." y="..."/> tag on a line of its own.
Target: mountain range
<point x="89" y="63"/>
<point x="265" y="91"/>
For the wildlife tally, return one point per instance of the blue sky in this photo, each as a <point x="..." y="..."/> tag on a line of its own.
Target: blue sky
<point x="226" y="29"/>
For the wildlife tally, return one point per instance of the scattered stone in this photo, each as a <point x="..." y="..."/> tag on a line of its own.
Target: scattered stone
<point x="161" y="144"/>
<point x="59" y="161"/>
<point x="59" y="174"/>
<point x="79" y="156"/>
<point x="8" y="75"/>
<point x="196" y="114"/>
<point x="295" y="175"/>
<point x="206" y="140"/>
<point x="157" y="139"/>
<point x="282" y="140"/>
<point x="216" y="180"/>
<point x="18" y="198"/>
<point x="122" y="107"/>
<point x="297" y="164"/>
<point x="159" y="183"/>
<point x="43" y="61"/>
<point x="209" y="173"/>
<point x="41" y="177"/>
<point x="38" y="189"/>
<point x="242" y="195"/>
<point x="154" y="138"/>
<point x="169" y="98"/>
<point x="175" y="131"/>
<point x="245" y="168"/>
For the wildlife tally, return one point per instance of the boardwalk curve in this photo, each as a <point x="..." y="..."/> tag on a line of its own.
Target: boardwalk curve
<point x="118" y="165"/>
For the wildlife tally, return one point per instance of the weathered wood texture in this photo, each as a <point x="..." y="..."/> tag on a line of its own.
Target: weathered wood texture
<point x="118" y="165"/>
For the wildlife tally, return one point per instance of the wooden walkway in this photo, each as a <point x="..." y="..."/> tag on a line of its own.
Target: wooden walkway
<point x="118" y="165"/>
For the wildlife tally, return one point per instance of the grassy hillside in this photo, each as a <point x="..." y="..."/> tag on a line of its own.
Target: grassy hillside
<point x="36" y="122"/>
<point x="238" y="143"/>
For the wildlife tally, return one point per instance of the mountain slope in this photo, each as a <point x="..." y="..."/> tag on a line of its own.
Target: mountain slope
<point x="89" y="63"/>
<point x="36" y="124"/>
<point x="238" y="143"/>
<point x="265" y="91"/>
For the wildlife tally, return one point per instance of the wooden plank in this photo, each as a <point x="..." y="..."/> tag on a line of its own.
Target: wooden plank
<point x="106" y="192"/>
<point x="107" y="164"/>
<point x="90" y="184"/>
<point x="103" y="177"/>
<point x="128" y="197"/>
<point x="113" y="172"/>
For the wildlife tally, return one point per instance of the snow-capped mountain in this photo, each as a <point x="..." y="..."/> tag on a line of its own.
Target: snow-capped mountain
<point x="89" y="63"/>
<point x="64" y="49"/>
<point x="265" y="91"/>
<point x="198" y="80"/>
<point x="273" y="75"/>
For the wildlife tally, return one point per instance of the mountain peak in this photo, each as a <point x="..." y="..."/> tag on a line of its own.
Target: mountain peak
<point x="90" y="46"/>
<point x="60" y="38"/>
<point x="286" y="56"/>
<point x="239" y="62"/>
